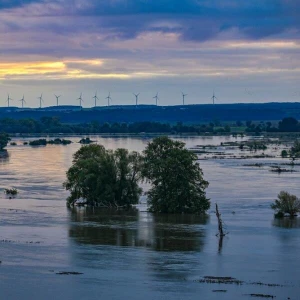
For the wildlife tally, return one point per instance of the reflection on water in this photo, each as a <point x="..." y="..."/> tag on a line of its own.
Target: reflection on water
<point x="138" y="229"/>
<point x="287" y="222"/>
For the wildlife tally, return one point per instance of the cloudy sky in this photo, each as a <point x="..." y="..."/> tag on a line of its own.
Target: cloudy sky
<point x="245" y="51"/>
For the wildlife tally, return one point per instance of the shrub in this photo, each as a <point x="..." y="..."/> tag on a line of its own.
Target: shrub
<point x="86" y="141"/>
<point x="59" y="142"/>
<point x="12" y="192"/>
<point x="39" y="142"/>
<point x="286" y="204"/>
<point x="4" y="139"/>
<point x="295" y="150"/>
<point x="284" y="153"/>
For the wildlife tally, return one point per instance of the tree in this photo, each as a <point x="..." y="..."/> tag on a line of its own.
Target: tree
<point x="284" y="153"/>
<point x="248" y="123"/>
<point x="4" y="139"/>
<point x="177" y="179"/>
<point x="286" y="204"/>
<point x="104" y="177"/>
<point x="288" y="125"/>
<point x="295" y="150"/>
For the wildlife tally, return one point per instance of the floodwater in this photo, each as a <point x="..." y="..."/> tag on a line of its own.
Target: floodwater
<point x="138" y="255"/>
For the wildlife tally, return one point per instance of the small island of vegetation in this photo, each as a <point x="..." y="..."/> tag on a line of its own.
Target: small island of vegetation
<point x="44" y="142"/>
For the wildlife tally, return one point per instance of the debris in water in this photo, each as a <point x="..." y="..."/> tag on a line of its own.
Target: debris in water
<point x="219" y="280"/>
<point x="262" y="296"/>
<point x="69" y="273"/>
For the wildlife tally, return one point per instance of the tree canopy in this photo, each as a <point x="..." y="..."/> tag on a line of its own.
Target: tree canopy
<point x="295" y="150"/>
<point x="288" y="125"/>
<point x="177" y="179"/>
<point x="104" y="177"/>
<point x="110" y="178"/>
<point x="4" y="139"/>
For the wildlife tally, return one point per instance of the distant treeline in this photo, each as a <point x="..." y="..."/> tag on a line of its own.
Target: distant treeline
<point x="53" y="125"/>
<point x="285" y="125"/>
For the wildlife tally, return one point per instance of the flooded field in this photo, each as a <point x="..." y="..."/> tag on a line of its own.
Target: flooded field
<point x="50" y="252"/>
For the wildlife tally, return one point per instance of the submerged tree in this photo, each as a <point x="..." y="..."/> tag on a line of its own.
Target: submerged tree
<point x="286" y="204"/>
<point x="295" y="150"/>
<point x="177" y="179"/>
<point x="4" y="139"/>
<point x="104" y="177"/>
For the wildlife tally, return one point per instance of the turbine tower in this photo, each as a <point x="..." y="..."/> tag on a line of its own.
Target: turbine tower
<point x="80" y="100"/>
<point x="41" y="100"/>
<point x="183" y="97"/>
<point x="156" y="98"/>
<point x="136" y="98"/>
<point x="23" y="101"/>
<point x="214" y="97"/>
<point x="8" y="100"/>
<point x="96" y="98"/>
<point x="57" y="97"/>
<point x="108" y="99"/>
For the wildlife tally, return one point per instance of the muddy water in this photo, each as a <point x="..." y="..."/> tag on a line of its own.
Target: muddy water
<point x="137" y="254"/>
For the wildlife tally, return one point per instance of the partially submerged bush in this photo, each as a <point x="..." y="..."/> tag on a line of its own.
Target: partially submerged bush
<point x="39" y="142"/>
<point x="11" y="192"/>
<point x="44" y="142"/>
<point x="86" y="141"/>
<point x="4" y="139"/>
<point x="59" y="142"/>
<point x="284" y="153"/>
<point x="295" y="150"/>
<point x="286" y="204"/>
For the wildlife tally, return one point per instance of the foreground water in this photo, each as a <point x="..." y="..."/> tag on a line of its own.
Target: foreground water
<point x="139" y="255"/>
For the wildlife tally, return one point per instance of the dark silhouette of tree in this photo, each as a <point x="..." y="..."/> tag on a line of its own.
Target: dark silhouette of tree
<point x="4" y="139"/>
<point x="104" y="177"/>
<point x="288" y="125"/>
<point x="177" y="179"/>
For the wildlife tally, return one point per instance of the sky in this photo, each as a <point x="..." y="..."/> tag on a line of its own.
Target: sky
<point x="244" y="51"/>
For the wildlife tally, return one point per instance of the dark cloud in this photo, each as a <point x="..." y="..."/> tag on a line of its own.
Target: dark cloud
<point x="197" y="20"/>
<point x="4" y="4"/>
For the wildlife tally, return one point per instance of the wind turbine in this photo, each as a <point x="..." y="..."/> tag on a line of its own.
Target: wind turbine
<point x="96" y="98"/>
<point x="41" y="100"/>
<point x="57" y="97"/>
<point x="136" y="98"/>
<point x="156" y="98"/>
<point x="8" y="100"/>
<point x="80" y="100"/>
<point x="214" y="97"/>
<point x="183" y="97"/>
<point x="108" y="99"/>
<point x="23" y="101"/>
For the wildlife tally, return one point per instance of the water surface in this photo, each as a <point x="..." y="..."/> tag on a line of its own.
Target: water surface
<point x="136" y="254"/>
